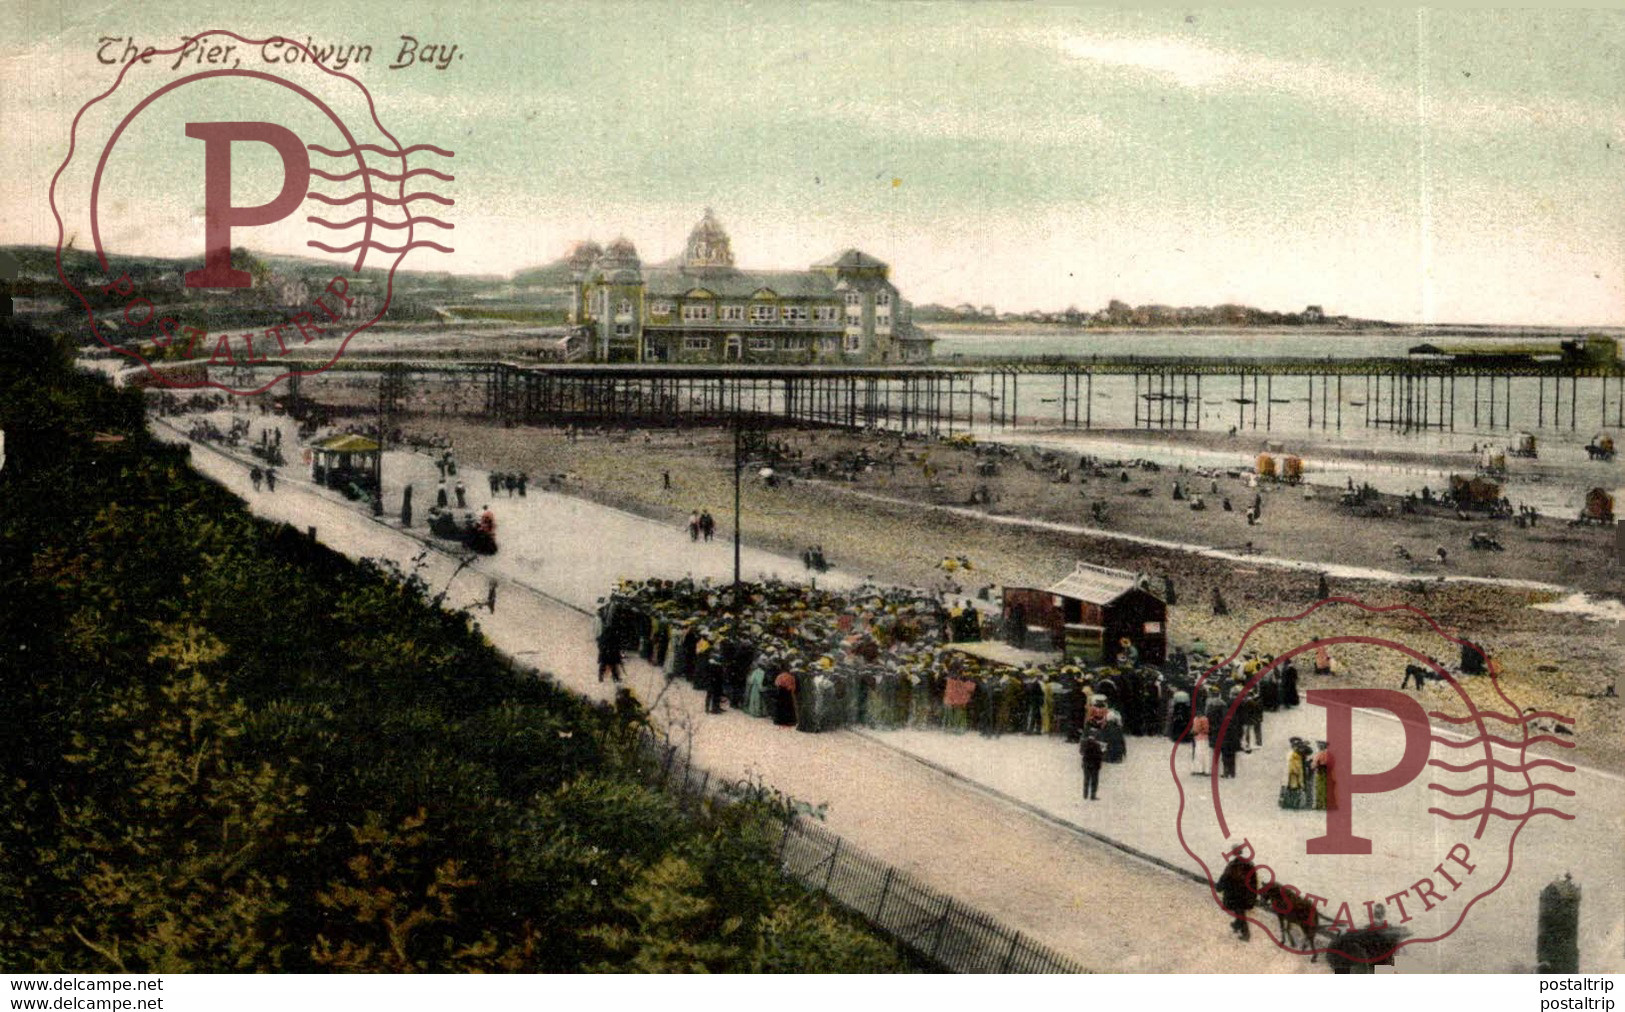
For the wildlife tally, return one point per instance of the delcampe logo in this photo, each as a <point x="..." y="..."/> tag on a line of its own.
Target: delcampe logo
<point x="1392" y="820"/>
<point x="232" y="318"/>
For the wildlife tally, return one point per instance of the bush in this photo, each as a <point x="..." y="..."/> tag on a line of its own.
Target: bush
<point x="231" y="750"/>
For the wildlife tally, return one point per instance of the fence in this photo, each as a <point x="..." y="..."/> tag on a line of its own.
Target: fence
<point x="933" y="925"/>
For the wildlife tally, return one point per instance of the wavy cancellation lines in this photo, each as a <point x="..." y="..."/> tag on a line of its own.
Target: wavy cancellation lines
<point x="372" y="200"/>
<point x="1491" y="790"/>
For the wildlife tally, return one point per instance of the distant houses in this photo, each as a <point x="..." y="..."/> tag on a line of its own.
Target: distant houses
<point x="1120" y="314"/>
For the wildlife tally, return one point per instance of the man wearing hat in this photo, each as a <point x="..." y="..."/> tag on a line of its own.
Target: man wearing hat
<point x="1128" y="654"/>
<point x="1093" y="754"/>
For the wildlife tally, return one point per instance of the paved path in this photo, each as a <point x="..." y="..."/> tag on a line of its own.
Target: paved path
<point x="1091" y="902"/>
<point x="994" y="822"/>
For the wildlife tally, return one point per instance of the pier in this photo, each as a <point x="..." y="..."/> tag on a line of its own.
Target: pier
<point x="1406" y="395"/>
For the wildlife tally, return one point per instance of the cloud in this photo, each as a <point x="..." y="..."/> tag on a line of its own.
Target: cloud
<point x="1197" y="67"/>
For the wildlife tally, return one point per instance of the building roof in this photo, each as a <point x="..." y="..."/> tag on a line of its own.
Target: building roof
<point x="731" y="283"/>
<point x="347" y="442"/>
<point x="850" y="258"/>
<point x="1096" y="584"/>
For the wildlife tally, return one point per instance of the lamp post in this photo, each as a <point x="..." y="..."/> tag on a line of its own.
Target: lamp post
<point x="739" y="425"/>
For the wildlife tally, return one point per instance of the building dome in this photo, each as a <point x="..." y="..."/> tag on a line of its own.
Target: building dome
<point x="622" y="249"/>
<point x="582" y="256"/>
<point x="708" y="244"/>
<point x="619" y="263"/>
<point x="586" y="252"/>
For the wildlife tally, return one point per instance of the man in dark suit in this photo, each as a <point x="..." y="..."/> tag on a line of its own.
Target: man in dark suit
<point x="1093" y="755"/>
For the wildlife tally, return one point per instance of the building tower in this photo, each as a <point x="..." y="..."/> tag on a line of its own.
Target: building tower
<point x="615" y="303"/>
<point x="580" y="262"/>
<point x="708" y="245"/>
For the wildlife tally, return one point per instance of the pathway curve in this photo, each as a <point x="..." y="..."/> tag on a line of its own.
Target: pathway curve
<point x="992" y="822"/>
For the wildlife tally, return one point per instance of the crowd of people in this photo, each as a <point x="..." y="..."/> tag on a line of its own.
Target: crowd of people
<point x="510" y="481"/>
<point x="817" y="660"/>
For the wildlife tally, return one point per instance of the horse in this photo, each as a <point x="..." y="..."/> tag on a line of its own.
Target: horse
<point x="1292" y="909"/>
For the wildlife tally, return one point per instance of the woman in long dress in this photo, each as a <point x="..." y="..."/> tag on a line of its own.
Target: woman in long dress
<point x="1323" y="777"/>
<point x="1294" y="777"/>
<point x="755" y="705"/>
<point x="784" y="699"/>
<point x="1202" y="750"/>
<point x="1112" y="737"/>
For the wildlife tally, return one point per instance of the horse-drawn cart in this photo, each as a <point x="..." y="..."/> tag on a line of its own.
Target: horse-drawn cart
<point x="1474" y="492"/>
<point x="1363" y="950"/>
<point x="1599" y="507"/>
<point x="1601" y="448"/>
<point x="478" y="535"/>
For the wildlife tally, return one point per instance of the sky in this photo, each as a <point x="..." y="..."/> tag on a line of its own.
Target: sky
<point x="1435" y="166"/>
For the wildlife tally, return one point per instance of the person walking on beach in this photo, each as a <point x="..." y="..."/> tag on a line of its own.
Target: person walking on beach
<point x="708" y="525"/>
<point x="693" y="525"/>
<point x="1236" y="895"/>
<point x="270" y="479"/>
<point x="524" y="479"/>
<point x="1093" y="754"/>
<point x="491" y="596"/>
<point x="1230" y="743"/>
<point x="716" y="671"/>
<point x="254" y="476"/>
<point x="609" y="654"/>
<point x="440" y="494"/>
<point x="462" y="495"/>
<point x="1202" y="748"/>
<point x="495" y="480"/>
<point x="1289" y="684"/>
<point x="665" y="480"/>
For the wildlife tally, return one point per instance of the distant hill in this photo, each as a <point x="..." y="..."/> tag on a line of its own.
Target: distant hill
<point x="553" y="275"/>
<point x="1118" y="314"/>
<point x="39" y="263"/>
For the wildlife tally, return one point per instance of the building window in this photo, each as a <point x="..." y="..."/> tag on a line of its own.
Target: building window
<point x="854" y="319"/>
<point x="696" y="344"/>
<point x="733" y="313"/>
<point x="883" y="298"/>
<point x="660" y="309"/>
<point x="854" y="298"/>
<point x="824" y="314"/>
<point x="854" y="342"/>
<point x="882" y="319"/>
<point x="623" y="308"/>
<point x="830" y="344"/>
<point x="795" y="314"/>
<point x="695" y="313"/>
<point x="761" y="344"/>
<point x="763" y="314"/>
<point x="795" y="344"/>
<point x="623" y="330"/>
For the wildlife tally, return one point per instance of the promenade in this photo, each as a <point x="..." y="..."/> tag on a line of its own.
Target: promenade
<point x="996" y="823"/>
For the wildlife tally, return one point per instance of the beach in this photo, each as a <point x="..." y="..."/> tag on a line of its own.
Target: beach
<point x="897" y="527"/>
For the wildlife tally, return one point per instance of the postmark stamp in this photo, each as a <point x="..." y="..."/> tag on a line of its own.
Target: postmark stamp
<point x="241" y="152"/>
<point x="1395" y="821"/>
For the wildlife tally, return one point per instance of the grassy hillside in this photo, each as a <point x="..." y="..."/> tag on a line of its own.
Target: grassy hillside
<point x="228" y="748"/>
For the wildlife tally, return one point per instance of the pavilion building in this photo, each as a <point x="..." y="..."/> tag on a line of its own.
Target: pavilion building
<point x="701" y="308"/>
